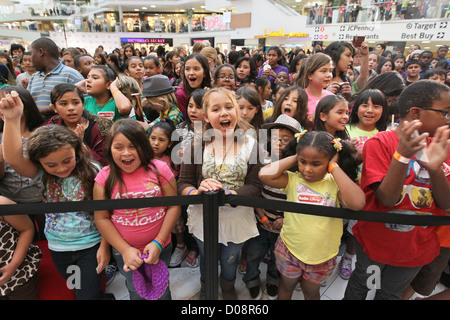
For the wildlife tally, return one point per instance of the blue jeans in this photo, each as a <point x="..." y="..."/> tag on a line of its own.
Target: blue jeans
<point x="164" y="256"/>
<point x="228" y="259"/>
<point x="86" y="261"/>
<point x="257" y="248"/>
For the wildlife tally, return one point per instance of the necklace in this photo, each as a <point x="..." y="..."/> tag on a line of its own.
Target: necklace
<point x="223" y="167"/>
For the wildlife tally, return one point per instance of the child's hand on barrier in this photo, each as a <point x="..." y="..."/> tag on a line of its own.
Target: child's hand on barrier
<point x="209" y="185"/>
<point x="11" y="106"/>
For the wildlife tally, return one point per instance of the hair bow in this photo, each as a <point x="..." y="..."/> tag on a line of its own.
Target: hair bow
<point x="337" y="144"/>
<point x="299" y="135"/>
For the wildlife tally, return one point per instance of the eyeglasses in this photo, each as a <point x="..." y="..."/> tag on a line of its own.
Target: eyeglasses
<point x="284" y="141"/>
<point x="445" y="112"/>
<point x="231" y="78"/>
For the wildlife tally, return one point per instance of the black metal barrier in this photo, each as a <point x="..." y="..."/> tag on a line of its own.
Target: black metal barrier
<point x="211" y="202"/>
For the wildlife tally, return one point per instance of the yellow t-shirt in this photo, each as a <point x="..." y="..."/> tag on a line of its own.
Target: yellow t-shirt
<point x="312" y="239"/>
<point x="362" y="135"/>
<point x="267" y="113"/>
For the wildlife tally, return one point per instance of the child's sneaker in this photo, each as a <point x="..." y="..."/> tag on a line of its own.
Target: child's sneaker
<point x="110" y="273"/>
<point x="345" y="267"/>
<point x="255" y="293"/>
<point x="178" y="256"/>
<point x="272" y="291"/>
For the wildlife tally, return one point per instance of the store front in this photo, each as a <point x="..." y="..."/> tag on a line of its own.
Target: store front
<point x="156" y="22"/>
<point x="284" y="39"/>
<point x="148" y="43"/>
<point x="211" y="41"/>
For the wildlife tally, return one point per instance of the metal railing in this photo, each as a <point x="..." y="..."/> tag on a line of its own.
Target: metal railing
<point x="211" y="202"/>
<point x="384" y="11"/>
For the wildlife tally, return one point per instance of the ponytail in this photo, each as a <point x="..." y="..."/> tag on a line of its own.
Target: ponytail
<point x="326" y="143"/>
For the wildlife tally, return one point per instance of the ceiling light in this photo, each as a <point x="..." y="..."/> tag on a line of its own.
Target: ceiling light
<point x="145" y="8"/>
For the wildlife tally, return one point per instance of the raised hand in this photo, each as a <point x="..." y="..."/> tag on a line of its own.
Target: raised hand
<point x="79" y="130"/>
<point x="438" y="149"/>
<point x="11" y="106"/>
<point x="409" y="145"/>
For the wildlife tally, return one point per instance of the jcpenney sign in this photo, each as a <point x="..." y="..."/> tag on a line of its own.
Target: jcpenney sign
<point x="404" y="30"/>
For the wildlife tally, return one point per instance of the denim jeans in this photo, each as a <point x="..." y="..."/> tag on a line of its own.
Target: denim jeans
<point x="228" y="259"/>
<point x="164" y="256"/>
<point x="257" y="248"/>
<point x="86" y="261"/>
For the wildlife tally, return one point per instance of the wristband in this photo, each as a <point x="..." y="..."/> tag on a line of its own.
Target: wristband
<point x="401" y="158"/>
<point x="158" y="245"/>
<point x="191" y="191"/>
<point x="115" y="91"/>
<point x="332" y="166"/>
<point x="227" y="191"/>
<point x="263" y="219"/>
<point x="160" y="241"/>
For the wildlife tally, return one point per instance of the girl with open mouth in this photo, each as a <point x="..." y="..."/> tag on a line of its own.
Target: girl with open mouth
<point x="196" y="75"/>
<point x="227" y="165"/>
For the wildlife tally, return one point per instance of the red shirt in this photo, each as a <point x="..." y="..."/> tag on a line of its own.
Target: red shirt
<point x="397" y="245"/>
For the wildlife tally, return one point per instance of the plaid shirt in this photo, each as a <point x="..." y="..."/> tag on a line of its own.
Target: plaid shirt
<point x="173" y="113"/>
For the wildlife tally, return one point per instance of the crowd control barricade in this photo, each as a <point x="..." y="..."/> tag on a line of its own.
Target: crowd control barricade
<point x="211" y="202"/>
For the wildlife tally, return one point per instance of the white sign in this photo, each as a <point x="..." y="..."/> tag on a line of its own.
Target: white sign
<point x="214" y="23"/>
<point x="89" y="41"/>
<point x="405" y="30"/>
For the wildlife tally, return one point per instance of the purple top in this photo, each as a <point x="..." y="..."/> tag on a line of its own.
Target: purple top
<point x="182" y="100"/>
<point x="276" y="70"/>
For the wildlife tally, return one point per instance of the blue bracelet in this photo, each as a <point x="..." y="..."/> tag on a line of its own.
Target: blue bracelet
<point x="227" y="191"/>
<point x="158" y="245"/>
<point x="191" y="191"/>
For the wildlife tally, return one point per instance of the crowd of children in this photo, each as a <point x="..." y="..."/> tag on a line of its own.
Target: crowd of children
<point x="336" y="128"/>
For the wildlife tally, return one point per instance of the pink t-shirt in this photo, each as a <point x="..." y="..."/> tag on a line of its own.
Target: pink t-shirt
<point x="138" y="227"/>
<point x="313" y="101"/>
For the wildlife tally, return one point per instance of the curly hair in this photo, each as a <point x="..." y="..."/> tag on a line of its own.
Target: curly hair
<point x="420" y="94"/>
<point x="47" y="139"/>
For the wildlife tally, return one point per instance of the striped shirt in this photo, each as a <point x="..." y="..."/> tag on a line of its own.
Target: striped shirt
<point x="272" y="193"/>
<point x="40" y="84"/>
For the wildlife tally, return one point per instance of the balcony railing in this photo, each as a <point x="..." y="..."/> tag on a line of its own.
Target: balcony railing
<point x="384" y="11"/>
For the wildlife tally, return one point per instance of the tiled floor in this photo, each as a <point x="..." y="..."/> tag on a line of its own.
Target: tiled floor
<point x="185" y="285"/>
